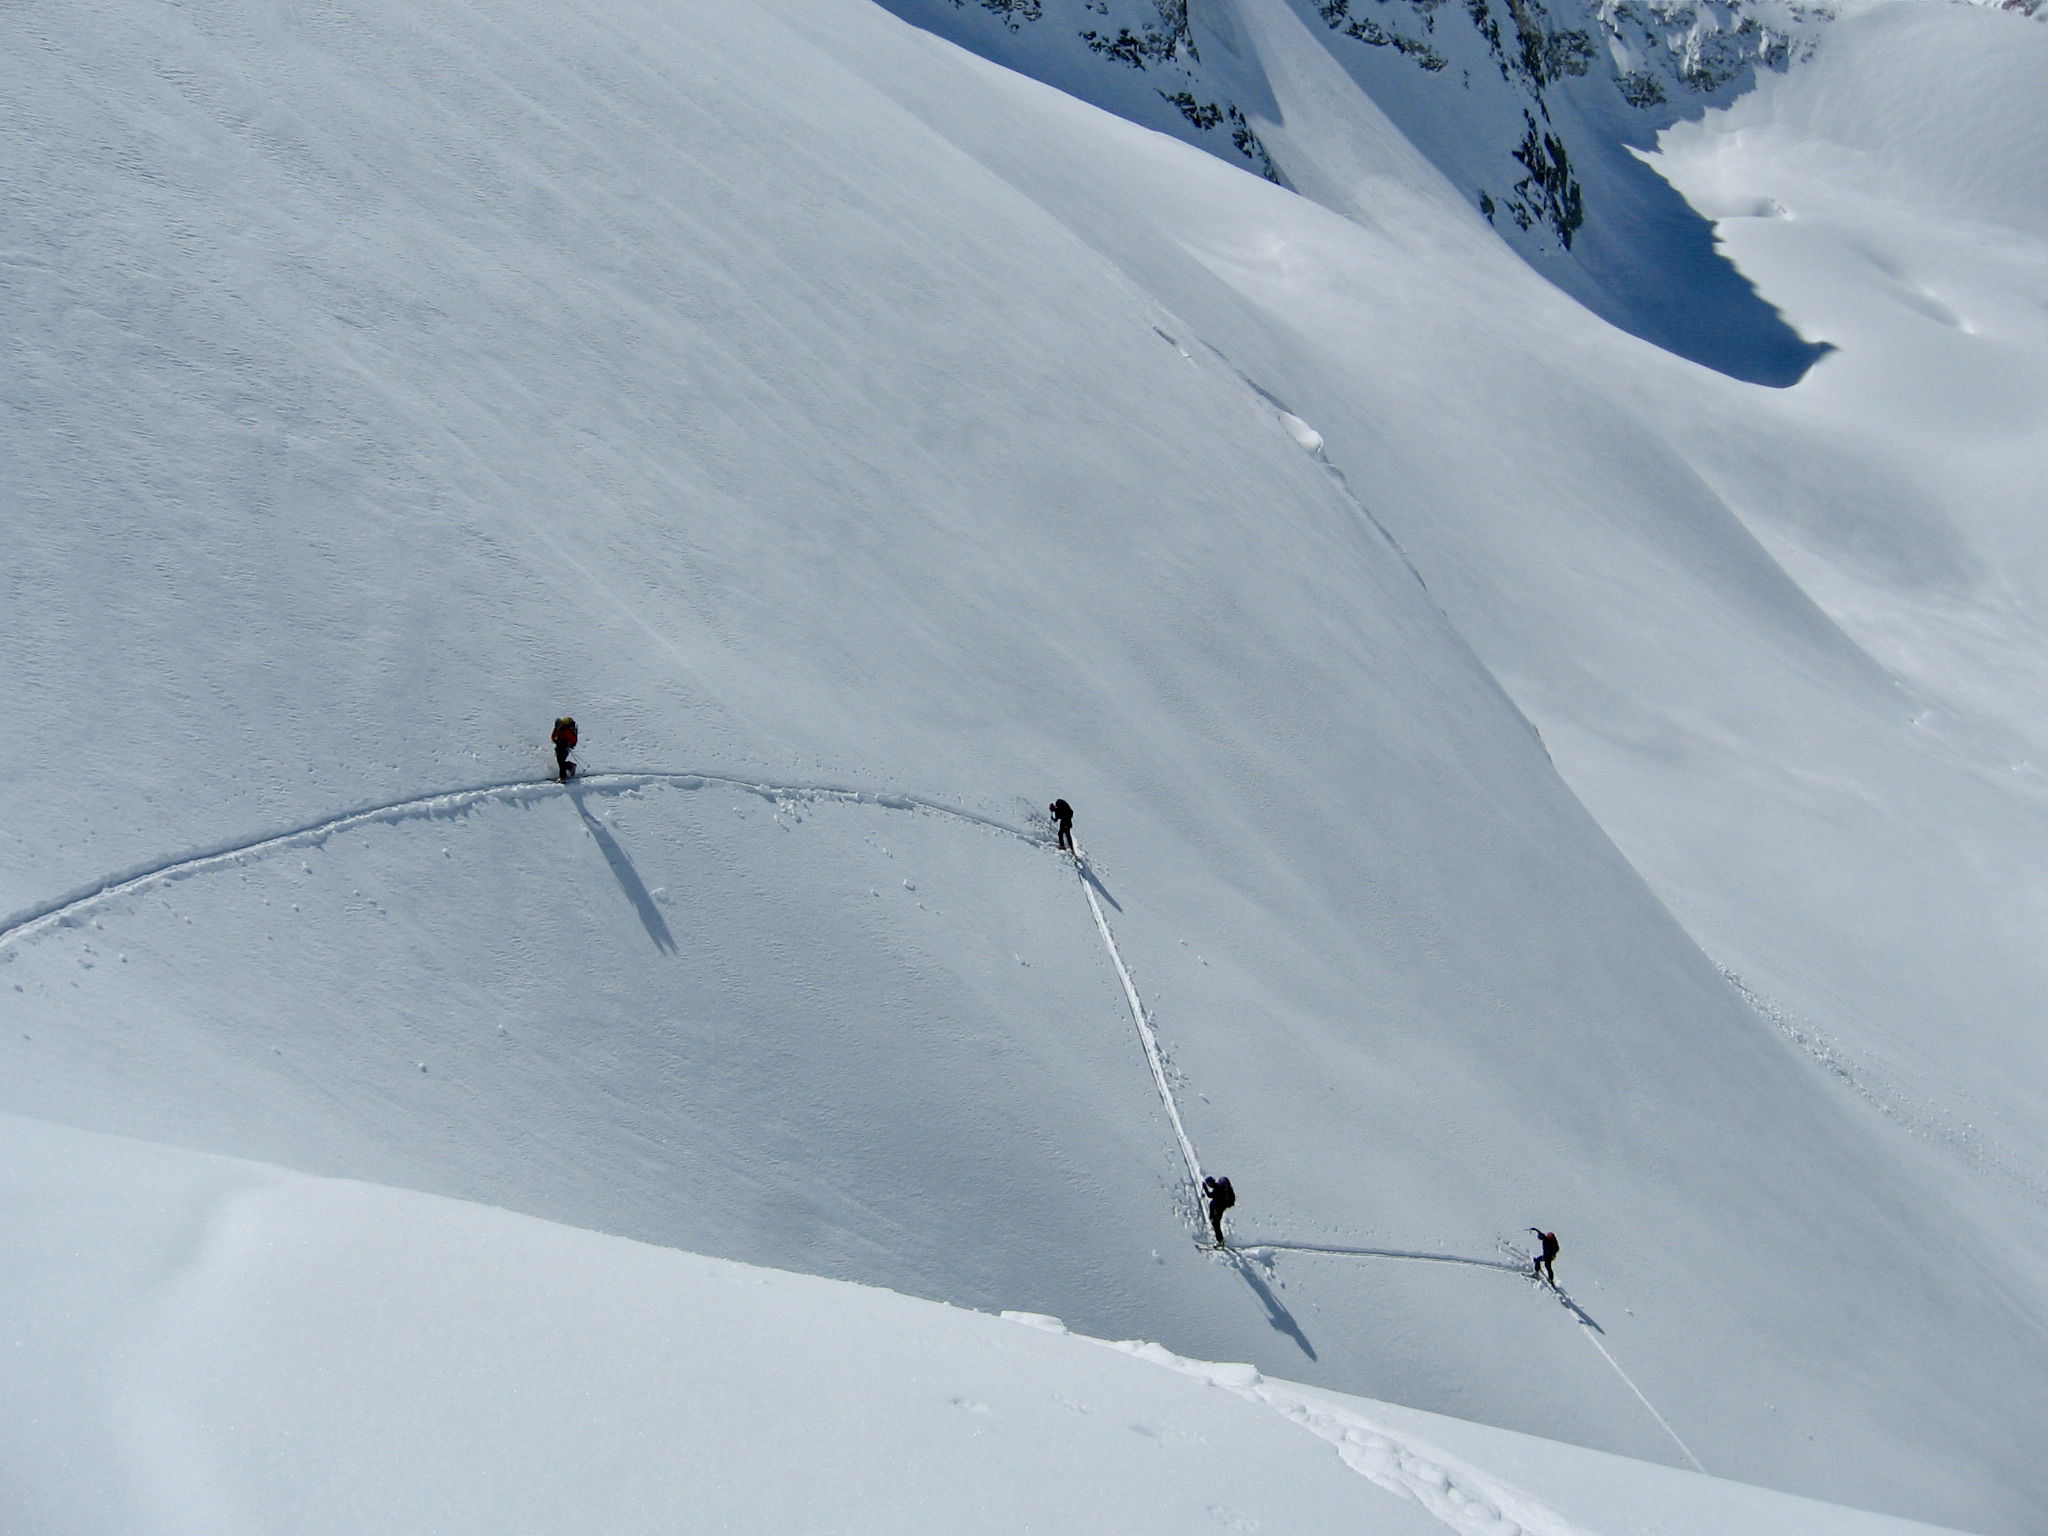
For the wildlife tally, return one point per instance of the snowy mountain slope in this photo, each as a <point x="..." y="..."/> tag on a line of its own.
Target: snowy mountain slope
<point x="798" y="399"/>
<point x="1911" y="517"/>
<point x="1714" y="714"/>
<point x="1790" y="690"/>
<point x="1867" y="856"/>
<point x="479" y="1371"/>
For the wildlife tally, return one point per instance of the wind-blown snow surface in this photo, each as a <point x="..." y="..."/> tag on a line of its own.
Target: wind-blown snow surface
<point x="481" y="1371"/>
<point x="803" y="402"/>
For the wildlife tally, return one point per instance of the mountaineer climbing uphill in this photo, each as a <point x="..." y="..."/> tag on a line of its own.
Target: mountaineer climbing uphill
<point x="564" y="738"/>
<point x="1544" y="1268"/>
<point x="1221" y="1198"/>
<point x="1063" y="821"/>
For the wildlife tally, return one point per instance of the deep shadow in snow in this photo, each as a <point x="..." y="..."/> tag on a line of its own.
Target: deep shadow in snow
<point x="1585" y="1318"/>
<point x="1277" y="1314"/>
<point x="627" y="876"/>
<point x="1101" y="890"/>
<point x="1657" y="271"/>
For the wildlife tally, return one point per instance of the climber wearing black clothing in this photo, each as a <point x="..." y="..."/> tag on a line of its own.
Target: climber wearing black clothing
<point x="1063" y="818"/>
<point x="564" y="738"/>
<point x="1544" y="1267"/>
<point x="1221" y="1198"/>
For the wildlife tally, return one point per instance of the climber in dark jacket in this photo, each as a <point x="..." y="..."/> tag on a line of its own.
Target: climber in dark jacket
<point x="1063" y="819"/>
<point x="1221" y="1198"/>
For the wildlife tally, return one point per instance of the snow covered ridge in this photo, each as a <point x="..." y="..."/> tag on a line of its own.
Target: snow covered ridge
<point x="202" y="1345"/>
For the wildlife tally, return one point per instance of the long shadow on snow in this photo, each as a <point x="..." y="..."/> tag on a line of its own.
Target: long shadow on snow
<point x="1101" y="890"/>
<point x="1277" y="1315"/>
<point x="1585" y="1318"/>
<point x="627" y="876"/>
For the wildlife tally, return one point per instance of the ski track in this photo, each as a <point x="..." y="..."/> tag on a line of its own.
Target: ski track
<point x="59" y="912"/>
<point x="1379" y="1253"/>
<point x="1594" y="1339"/>
<point x="1146" y="1037"/>
<point x="1369" y="1452"/>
